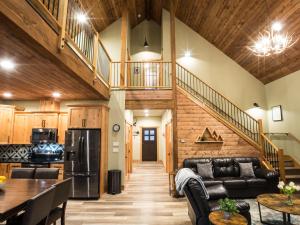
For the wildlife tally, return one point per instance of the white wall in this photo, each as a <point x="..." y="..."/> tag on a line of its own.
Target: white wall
<point x="146" y="122"/>
<point x="285" y="92"/>
<point x="111" y="39"/>
<point x="153" y="33"/>
<point x="213" y="66"/>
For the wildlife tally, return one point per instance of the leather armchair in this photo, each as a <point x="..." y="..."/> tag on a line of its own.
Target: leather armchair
<point x="226" y="172"/>
<point x="199" y="207"/>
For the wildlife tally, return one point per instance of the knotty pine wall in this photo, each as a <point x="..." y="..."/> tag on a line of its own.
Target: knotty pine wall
<point x="192" y="119"/>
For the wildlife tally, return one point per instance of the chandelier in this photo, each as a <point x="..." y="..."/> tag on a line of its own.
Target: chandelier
<point x="272" y="41"/>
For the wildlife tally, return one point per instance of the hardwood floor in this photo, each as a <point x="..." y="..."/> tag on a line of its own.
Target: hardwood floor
<point x="145" y="201"/>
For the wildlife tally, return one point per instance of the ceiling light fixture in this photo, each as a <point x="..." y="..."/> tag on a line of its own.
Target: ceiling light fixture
<point x="7" y="64"/>
<point x="7" y="94"/>
<point x="147" y="114"/>
<point x="272" y="41"/>
<point x="81" y="17"/>
<point x="146" y="45"/>
<point x="56" y="94"/>
<point x="146" y="111"/>
<point x="187" y="54"/>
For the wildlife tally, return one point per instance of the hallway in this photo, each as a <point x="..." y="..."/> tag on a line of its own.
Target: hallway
<point x="145" y="201"/>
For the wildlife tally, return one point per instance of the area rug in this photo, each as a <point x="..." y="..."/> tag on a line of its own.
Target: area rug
<point x="268" y="215"/>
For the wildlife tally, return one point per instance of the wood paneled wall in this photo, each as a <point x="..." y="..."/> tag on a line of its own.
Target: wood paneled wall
<point x="192" y="120"/>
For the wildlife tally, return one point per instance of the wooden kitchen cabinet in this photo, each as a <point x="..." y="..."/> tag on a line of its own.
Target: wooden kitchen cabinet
<point x="59" y="166"/>
<point x="4" y="170"/>
<point x="45" y="120"/>
<point x="85" y="117"/>
<point x="62" y="127"/>
<point x="23" y="124"/>
<point x="6" y="121"/>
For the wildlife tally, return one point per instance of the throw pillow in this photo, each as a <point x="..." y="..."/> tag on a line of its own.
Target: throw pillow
<point x="205" y="170"/>
<point x="246" y="170"/>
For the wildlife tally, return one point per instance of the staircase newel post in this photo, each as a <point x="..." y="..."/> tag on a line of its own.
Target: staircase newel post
<point x="261" y="139"/>
<point x="281" y="164"/>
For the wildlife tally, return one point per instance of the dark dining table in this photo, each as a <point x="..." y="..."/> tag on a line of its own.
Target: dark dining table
<point x="18" y="192"/>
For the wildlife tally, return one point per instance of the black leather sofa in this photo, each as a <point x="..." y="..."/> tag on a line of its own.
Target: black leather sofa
<point x="226" y="172"/>
<point x="199" y="207"/>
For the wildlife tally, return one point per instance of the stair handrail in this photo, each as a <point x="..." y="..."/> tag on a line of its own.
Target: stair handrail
<point x="274" y="155"/>
<point x="252" y="131"/>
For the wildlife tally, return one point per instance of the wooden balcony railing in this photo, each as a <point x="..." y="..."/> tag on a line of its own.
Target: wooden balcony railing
<point x="142" y="75"/>
<point x="273" y="155"/>
<point x="82" y="38"/>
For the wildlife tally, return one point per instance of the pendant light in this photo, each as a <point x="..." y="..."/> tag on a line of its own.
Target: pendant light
<point x="146" y="45"/>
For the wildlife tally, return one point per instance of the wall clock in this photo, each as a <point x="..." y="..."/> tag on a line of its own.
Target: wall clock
<point x="116" y="127"/>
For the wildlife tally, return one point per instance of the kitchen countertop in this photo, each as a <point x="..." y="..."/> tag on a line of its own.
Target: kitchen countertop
<point x="22" y="160"/>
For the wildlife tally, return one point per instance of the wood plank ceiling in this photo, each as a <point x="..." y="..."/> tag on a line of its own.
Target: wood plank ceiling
<point x="35" y="76"/>
<point x="230" y="25"/>
<point x="105" y="12"/>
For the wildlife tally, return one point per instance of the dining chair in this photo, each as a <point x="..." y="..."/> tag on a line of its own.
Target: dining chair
<point x="59" y="204"/>
<point x="36" y="211"/>
<point x="22" y="173"/>
<point x="46" y="173"/>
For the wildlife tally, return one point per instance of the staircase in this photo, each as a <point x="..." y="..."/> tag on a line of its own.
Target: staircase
<point x="246" y="125"/>
<point x="292" y="170"/>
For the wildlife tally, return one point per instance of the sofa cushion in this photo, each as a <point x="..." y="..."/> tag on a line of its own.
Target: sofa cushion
<point x="235" y="182"/>
<point x="217" y="192"/>
<point x="225" y="167"/>
<point x="192" y="163"/>
<point x="205" y="170"/>
<point x="210" y="182"/>
<point x="246" y="170"/>
<point x="256" y="182"/>
<point x="255" y="161"/>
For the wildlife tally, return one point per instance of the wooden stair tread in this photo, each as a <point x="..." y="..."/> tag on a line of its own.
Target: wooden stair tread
<point x="292" y="176"/>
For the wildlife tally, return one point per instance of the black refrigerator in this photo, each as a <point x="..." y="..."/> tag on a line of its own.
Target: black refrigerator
<point x="82" y="162"/>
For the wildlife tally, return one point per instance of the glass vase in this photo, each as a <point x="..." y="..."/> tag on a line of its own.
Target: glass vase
<point x="227" y="215"/>
<point x="289" y="201"/>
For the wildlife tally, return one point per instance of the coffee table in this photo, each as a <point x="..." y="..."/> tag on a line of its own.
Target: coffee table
<point x="217" y="218"/>
<point x="277" y="202"/>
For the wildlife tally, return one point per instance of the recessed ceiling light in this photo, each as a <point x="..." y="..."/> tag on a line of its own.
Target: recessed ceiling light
<point x="146" y="111"/>
<point x="7" y="94"/>
<point x="139" y="15"/>
<point x="7" y="64"/>
<point x="81" y="17"/>
<point x="277" y="26"/>
<point x="56" y="94"/>
<point x="146" y="114"/>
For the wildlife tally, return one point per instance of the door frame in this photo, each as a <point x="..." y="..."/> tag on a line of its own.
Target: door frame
<point x="129" y="159"/>
<point x="141" y="142"/>
<point x="170" y="169"/>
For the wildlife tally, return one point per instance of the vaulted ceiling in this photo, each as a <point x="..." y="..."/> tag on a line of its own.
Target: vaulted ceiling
<point x="230" y="25"/>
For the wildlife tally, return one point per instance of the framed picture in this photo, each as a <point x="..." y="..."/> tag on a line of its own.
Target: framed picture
<point x="277" y="113"/>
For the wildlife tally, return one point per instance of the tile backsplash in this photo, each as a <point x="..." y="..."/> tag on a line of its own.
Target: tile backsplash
<point x="24" y="151"/>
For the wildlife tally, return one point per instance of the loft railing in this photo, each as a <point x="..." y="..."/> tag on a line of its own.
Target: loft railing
<point x="82" y="38"/>
<point x="52" y="6"/>
<point x="217" y="102"/>
<point x="142" y="75"/>
<point x="273" y="155"/>
<point x="81" y="34"/>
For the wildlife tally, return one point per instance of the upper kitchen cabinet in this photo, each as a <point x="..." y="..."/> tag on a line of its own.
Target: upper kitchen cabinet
<point x="85" y="116"/>
<point x="45" y="120"/>
<point x="62" y="127"/>
<point x="22" y="128"/>
<point x="6" y="121"/>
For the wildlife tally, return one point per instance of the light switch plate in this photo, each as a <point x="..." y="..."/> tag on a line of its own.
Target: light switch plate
<point x="115" y="144"/>
<point x="115" y="149"/>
